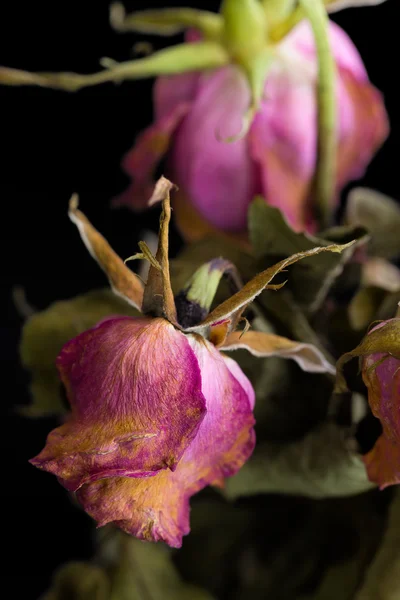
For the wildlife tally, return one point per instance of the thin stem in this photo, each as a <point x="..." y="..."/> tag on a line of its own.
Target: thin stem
<point x="326" y="164"/>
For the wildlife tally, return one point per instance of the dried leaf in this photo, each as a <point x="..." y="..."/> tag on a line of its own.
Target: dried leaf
<point x="380" y="216"/>
<point x="236" y="304"/>
<point x="321" y="465"/>
<point x="272" y="238"/>
<point x="79" y="581"/>
<point x="145" y="570"/>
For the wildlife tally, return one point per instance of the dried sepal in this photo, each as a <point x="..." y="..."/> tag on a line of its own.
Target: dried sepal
<point x="158" y="297"/>
<point x="123" y="281"/>
<point x="234" y="306"/>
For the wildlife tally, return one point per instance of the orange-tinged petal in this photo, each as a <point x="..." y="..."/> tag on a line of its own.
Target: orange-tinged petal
<point x="135" y="390"/>
<point x="157" y="508"/>
<point x="383" y="462"/>
<point x="364" y="126"/>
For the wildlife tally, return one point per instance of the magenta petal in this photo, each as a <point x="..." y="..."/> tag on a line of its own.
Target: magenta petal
<point x="169" y="92"/>
<point x="238" y="374"/>
<point x="283" y="141"/>
<point x="157" y="508"/>
<point x="135" y="390"/>
<point x="217" y="176"/>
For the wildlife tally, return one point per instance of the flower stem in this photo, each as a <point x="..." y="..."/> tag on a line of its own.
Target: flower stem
<point x="326" y="163"/>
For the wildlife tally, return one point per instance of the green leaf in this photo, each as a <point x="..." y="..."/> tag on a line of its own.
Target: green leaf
<point x="46" y="332"/>
<point x="382" y="581"/>
<point x="380" y="216"/>
<point x="321" y="465"/>
<point x="272" y="238"/>
<point x="79" y="581"/>
<point x="145" y="570"/>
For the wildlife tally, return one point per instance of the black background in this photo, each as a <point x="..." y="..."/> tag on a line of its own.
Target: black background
<point x="52" y="144"/>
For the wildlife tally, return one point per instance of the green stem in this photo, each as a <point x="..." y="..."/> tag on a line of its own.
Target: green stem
<point x="326" y="164"/>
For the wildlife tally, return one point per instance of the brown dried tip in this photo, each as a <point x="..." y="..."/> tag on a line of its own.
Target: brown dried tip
<point x="161" y="190"/>
<point x="74" y="202"/>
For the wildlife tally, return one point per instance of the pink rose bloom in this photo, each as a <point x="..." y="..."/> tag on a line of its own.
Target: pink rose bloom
<point x="195" y="113"/>
<point x="158" y="411"/>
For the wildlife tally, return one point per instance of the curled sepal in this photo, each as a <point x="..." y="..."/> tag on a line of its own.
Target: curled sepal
<point x="158" y="299"/>
<point x="123" y="281"/>
<point x="261" y="344"/>
<point x="182" y="58"/>
<point x="166" y="21"/>
<point x="234" y="306"/>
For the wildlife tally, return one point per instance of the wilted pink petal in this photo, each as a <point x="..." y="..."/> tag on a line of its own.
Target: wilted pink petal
<point x="383" y="462"/>
<point x="283" y="143"/>
<point x="157" y="507"/>
<point x="134" y="386"/>
<point x="363" y="127"/>
<point x="217" y="175"/>
<point x="381" y="374"/>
